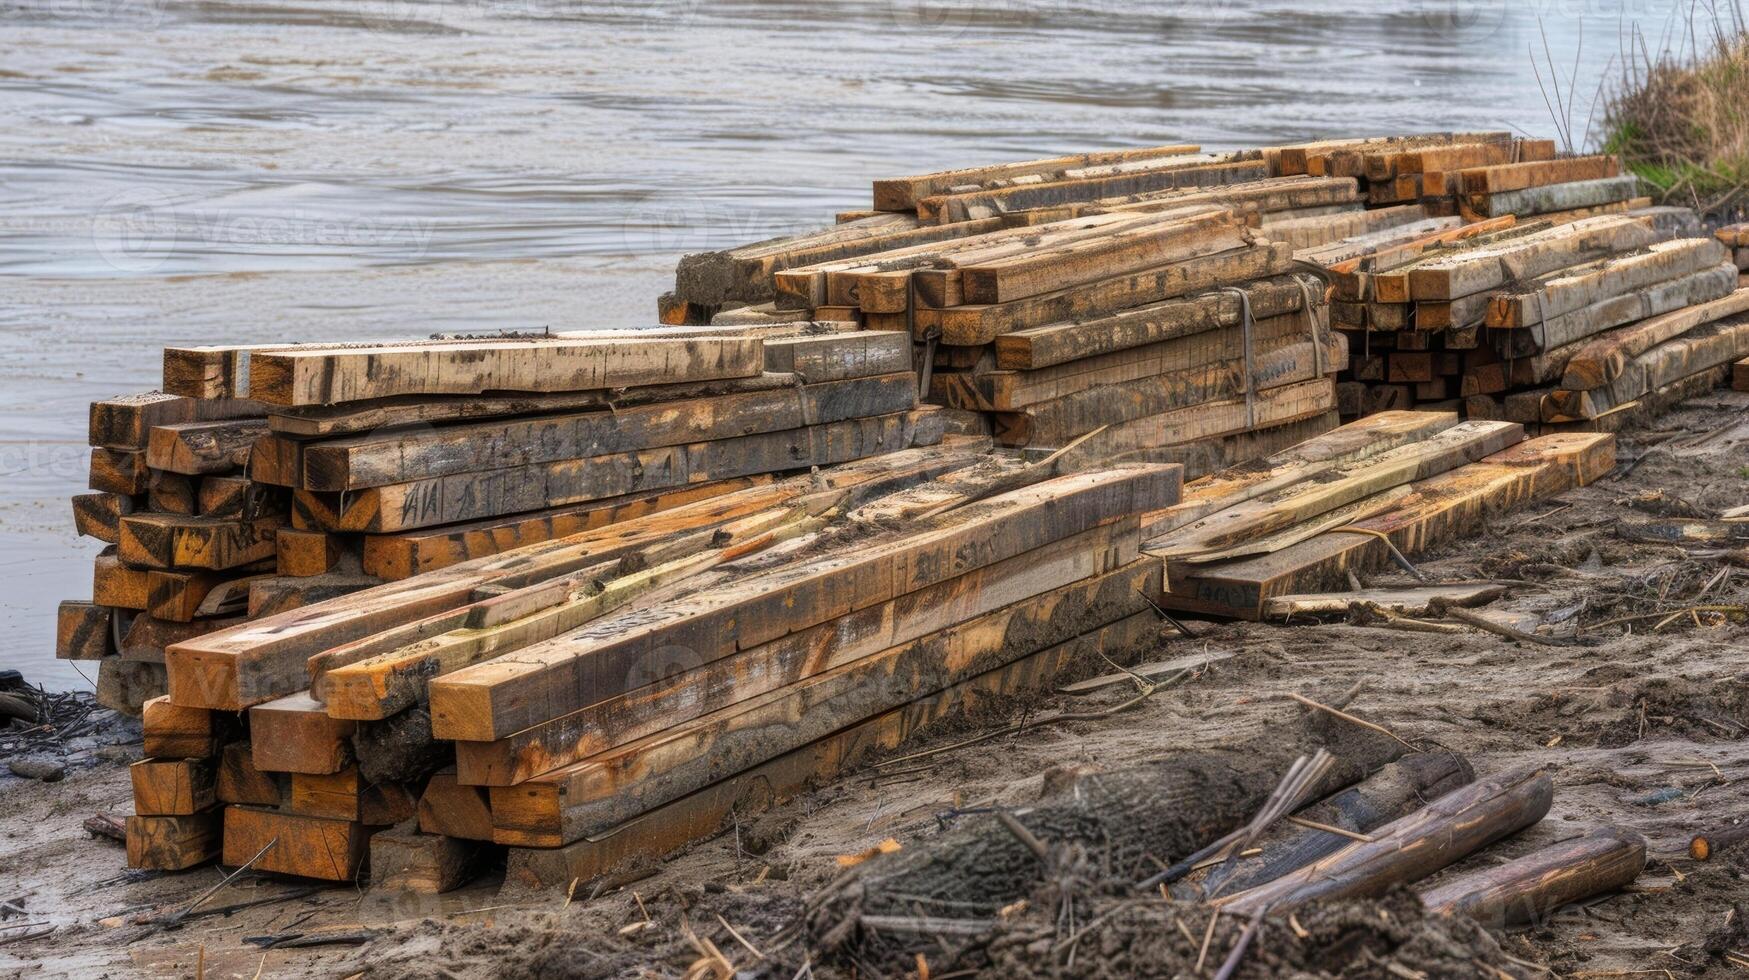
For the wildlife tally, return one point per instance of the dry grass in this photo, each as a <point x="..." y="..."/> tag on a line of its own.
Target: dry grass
<point x="1680" y="116"/>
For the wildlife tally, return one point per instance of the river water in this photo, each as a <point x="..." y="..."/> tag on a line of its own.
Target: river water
<point x="176" y="172"/>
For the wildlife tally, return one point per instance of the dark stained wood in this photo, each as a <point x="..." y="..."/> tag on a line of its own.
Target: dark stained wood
<point x="1532" y="888"/>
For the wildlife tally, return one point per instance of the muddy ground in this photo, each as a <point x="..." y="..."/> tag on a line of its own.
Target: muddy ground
<point x="1641" y="727"/>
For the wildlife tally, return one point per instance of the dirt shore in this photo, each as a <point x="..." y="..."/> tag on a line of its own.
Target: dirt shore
<point x="1643" y="729"/>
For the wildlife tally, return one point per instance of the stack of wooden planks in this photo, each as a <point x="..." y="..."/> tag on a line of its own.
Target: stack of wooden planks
<point x="1374" y="492"/>
<point x="1736" y="238"/>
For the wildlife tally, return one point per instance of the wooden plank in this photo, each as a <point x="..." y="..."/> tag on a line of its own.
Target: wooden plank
<point x="1521" y="176"/>
<point x="125" y="686"/>
<point x="1464" y="443"/>
<point x="172" y="787"/>
<point x="1602" y="360"/>
<point x="118" y="471"/>
<point x="1612" y="277"/>
<point x="1061" y="343"/>
<point x="840" y="357"/>
<point x="903" y="193"/>
<point x="970" y="206"/>
<point x="404" y="860"/>
<point x="397" y="457"/>
<point x="1589" y="321"/>
<point x="1554" y="197"/>
<point x="1527" y="257"/>
<point x="310" y="847"/>
<point x="397" y="556"/>
<point x="973" y="325"/>
<point x="346" y="795"/>
<point x="454" y="809"/>
<point x="173" y="843"/>
<point x="175" y="732"/>
<point x="1210" y="420"/>
<point x="595" y="795"/>
<point x="263" y="660"/>
<point x="1048" y="269"/>
<point x="703" y="813"/>
<point x="213" y="543"/>
<point x="294" y="734"/>
<point x="203" y="447"/>
<point x="498" y="698"/>
<point x="490" y="493"/>
<point x="124" y="422"/>
<point x="1014" y="592"/>
<point x="84" y="631"/>
<point x="98" y="515"/>
<point x="1441" y="508"/>
<point x="326" y="376"/>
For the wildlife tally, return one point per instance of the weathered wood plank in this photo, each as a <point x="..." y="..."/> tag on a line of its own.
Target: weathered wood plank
<point x="310" y="847"/>
<point x="295" y="734"/>
<point x="1604" y="359"/>
<point x="173" y="843"/>
<point x="903" y="193"/>
<point x="214" y="543"/>
<point x="172" y="787"/>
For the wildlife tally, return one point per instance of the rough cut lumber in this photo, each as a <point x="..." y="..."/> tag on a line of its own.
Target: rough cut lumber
<point x="1555" y="197"/>
<point x="1584" y="286"/>
<point x="203" y="447"/>
<point x="308" y="552"/>
<point x="174" y="843"/>
<point x="1253" y="199"/>
<point x="1526" y="257"/>
<point x="346" y="795"/>
<point x="148" y="637"/>
<point x="125" y="422"/>
<point x="262" y="660"/>
<point x="239" y="781"/>
<point x="1711" y="346"/>
<point x="1603" y="360"/>
<point x="213" y="543"/>
<point x="453" y="809"/>
<point x="903" y="193"/>
<point x="118" y="471"/>
<point x="181" y="596"/>
<point x="1060" y="343"/>
<point x="1272" y="407"/>
<point x="656" y="833"/>
<point x="838" y="357"/>
<point x="495" y="699"/>
<point x="1581" y="324"/>
<point x="84" y="631"/>
<point x="295" y="734"/>
<point x="324" y="376"/>
<point x="970" y="206"/>
<point x="310" y="847"/>
<point x="377" y="460"/>
<point x="172" y="787"/>
<point x="1532" y="888"/>
<point x="172" y="493"/>
<point x="126" y="685"/>
<point x="1441" y="508"/>
<point x="1522" y="176"/>
<point x="1464" y="443"/>
<point x="1412" y="847"/>
<point x="1319" y="230"/>
<point x="490" y="493"/>
<point x="974" y="325"/>
<point x="117" y="585"/>
<point x="1021" y="595"/>
<point x="175" y="732"/>
<point x="402" y="555"/>
<point x="99" y="515"/>
<point x="404" y="860"/>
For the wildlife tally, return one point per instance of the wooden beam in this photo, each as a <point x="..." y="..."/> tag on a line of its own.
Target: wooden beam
<point x="310" y="847"/>
<point x="240" y="781"/>
<point x="84" y="631"/>
<point x="116" y="584"/>
<point x="454" y="809"/>
<point x="203" y="447"/>
<point x="1526" y="257"/>
<point x="1603" y="360"/>
<point x="174" y="843"/>
<point x="1553" y="197"/>
<point x="1589" y="321"/>
<point x="903" y="193"/>
<point x="1585" y="285"/>
<point x="498" y="698"/>
<point x="404" y="860"/>
<point x="1521" y="176"/>
<point x="1138" y="438"/>
<point x="970" y="206"/>
<point x="214" y="543"/>
<point x="175" y="732"/>
<point x="294" y="734"/>
<point x="172" y="787"/>
<point x="99" y="515"/>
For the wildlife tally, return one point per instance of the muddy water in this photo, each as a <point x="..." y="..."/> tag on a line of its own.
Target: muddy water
<point x="205" y="172"/>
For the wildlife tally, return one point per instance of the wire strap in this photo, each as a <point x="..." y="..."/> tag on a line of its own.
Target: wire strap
<point x="1245" y="324"/>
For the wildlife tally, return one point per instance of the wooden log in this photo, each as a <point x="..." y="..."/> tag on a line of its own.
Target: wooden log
<point x="903" y="193"/>
<point x="1464" y="443"/>
<point x="1410" y="848"/>
<point x="492" y="700"/>
<point x="1706" y="846"/>
<point x="1020" y="594"/>
<point x="1441" y="508"/>
<point x="203" y="447"/>
<point x="310" y="847"/>
<point x="974" y="325"/>
<point x="1603" y="360"/>
<point x="176" y="732"/>
<point x="240" y="781"/>
<point x="397" y="556"/>
<point x="490" y="493"/>
<point x="99" y="515"/>
<point x="397" y="457"/>
<point x="1553" y="197"/>
<point x="1388" y="795"/>
<point x="174" y="843"/>
<point x="703" y="813"/>
<point x="1532" y="888"/>
<point x="1589" y="321"/>
<point x="1586" y="285"/>
<point x="294" y="734"/>
<point x="1061" y="343"/>
<point x="455" y="809"/>
<point x="117" y="585"/>
<point x="172" y="787"/>
<point x="404" y="860"/>
<point x="325" y="376"/>
<point x="84" y="631"/>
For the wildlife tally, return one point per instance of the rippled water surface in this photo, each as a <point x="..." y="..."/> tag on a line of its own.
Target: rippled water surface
<point x="208" y="172"/>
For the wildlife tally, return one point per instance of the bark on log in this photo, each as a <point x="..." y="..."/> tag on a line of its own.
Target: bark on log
<point x="1536" y="885"/>
<point x="1404" y="852"/>
<point x="1389" y="794"/>
<point x="1704" y="846"/>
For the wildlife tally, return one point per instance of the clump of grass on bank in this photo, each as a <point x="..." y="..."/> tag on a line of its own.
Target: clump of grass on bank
<point x="1680" y="118"/>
